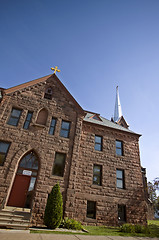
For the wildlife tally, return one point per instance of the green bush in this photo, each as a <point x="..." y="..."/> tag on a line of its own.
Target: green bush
<point x="71" y="224"/>
<point x="130" y="228"/>
<point x="139" y="228"/>
<point x="127" y="228"/>
<point x="54" y="208"/>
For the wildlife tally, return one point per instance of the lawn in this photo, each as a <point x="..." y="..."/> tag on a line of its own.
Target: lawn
<point x="111" y="231"/>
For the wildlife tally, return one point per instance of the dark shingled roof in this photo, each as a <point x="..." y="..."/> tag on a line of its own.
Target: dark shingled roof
<point x="105" y="122"/>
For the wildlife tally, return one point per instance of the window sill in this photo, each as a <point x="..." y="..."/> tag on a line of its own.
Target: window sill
<point x="96" y="186"/>
<point x="65" y="138"/>
<point x="36" y="125"/>
<point x="97" y="151"/>
<point x="119" y="156"/>
<point x="91" y="220"/>
<point x="120" y="189"/>
<point x="55" y="176"/>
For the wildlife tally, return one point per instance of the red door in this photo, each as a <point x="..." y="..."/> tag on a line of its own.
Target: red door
<point x="19" y="191"/>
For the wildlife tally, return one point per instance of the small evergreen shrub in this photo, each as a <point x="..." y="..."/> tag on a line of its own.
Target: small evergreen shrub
<point x="54" y="208"/>
<point x="130" y="228"/>
<point x="71" y="224"/>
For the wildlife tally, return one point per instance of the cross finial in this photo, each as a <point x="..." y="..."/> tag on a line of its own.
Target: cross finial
<point x="55" y="69"/>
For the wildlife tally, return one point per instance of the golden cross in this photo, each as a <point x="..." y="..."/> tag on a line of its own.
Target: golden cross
<point x="55" y="69"/>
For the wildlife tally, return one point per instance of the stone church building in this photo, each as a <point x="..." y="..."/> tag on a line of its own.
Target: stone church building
<point x="46" y="137"/>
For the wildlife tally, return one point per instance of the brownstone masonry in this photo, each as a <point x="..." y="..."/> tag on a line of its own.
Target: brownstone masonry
<point x="46" y="137"/>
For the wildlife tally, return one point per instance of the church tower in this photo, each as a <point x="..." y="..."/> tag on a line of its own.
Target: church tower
<point x="118" y="117"/>
<point x="117" y="110"/>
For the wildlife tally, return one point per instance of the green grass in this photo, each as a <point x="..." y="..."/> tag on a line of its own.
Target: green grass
<point x="154" y="228"/>
<point x="111" y="231"/>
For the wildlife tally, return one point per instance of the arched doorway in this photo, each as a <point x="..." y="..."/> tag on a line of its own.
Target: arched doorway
<point x="24" y="183"/>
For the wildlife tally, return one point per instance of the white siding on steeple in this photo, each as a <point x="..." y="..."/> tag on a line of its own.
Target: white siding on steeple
<point x="117" y="110"/>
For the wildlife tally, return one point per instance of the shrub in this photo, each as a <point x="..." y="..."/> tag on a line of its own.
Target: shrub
<point x="130" y="228"/>
<point x="138" y="228"/>
<point x="127" y="228"/>
<point x="71" y="224"/>
<point x="54" y="208"/>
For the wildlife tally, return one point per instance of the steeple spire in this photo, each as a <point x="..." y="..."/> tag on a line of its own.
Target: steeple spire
<point x="117" y="110"/>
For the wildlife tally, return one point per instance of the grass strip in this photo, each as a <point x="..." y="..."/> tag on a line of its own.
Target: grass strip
<point x="108" y="231"/>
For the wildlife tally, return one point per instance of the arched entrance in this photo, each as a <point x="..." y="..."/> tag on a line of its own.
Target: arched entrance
<point x="24" y="183"/>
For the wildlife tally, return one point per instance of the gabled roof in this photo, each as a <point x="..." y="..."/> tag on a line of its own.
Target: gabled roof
<point x="123" y="122"/>
<point x="27" y="84"/>
<point x="105" y="122"/>
<point x="40" y="80"/>
<point x="90" y="117"/>
<point x="96" y="116"/>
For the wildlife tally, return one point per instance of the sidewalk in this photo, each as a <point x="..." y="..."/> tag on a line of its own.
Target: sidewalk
<point x="26" y="235"/>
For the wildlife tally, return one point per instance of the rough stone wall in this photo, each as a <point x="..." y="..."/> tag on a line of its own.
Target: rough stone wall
<point x="76" y="184"/>
<point x="37" y="139"/>
<point x="108" y="196"/>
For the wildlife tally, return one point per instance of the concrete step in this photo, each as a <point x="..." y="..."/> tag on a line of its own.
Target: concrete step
<point x="18" y="215"/>
<point x="14" y="225"/>
<point x="16" y="218"/>
<point x="11" y="220"/>
<point x="16" y="209"/>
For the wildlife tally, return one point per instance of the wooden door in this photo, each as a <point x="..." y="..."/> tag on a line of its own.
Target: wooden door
<point x="19" y="191"/>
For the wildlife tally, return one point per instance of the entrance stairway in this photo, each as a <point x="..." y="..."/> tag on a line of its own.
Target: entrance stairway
<point x="15" y="218"/>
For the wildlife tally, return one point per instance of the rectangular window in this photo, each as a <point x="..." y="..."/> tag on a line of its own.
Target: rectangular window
<point x="28" y="120"/>
<point x="59" y="164"/>
<point x="121" y="213"/>
<point x="97" y="175"/>
<point x="52" y="126"/>
<point x="98" y="143"/>
<point x="120" y="178"/>
<point x="4" y="147"/>
<point x="14" y="117"/>
<point x="65" y="129"/>
<point x="91" y="209"/>
<point x="119" y="148"/>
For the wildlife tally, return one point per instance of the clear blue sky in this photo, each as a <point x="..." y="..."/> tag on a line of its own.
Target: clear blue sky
<point x="97" y="45"/>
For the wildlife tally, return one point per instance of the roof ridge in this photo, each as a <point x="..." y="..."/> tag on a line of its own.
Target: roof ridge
<point x="43" y="79"/>
<point x="26" y="84"/>
<point x="109" y="124"/>
<point x="91" y="112"/>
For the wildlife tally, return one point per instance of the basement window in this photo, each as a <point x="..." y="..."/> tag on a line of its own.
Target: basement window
<point x="91" y="209"/>
<point x="121" y="213"/>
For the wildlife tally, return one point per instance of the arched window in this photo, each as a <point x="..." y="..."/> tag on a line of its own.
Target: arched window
<point x="29" y="161"/>
<point x="48" y="93"/>
<point x="42" y="117"/>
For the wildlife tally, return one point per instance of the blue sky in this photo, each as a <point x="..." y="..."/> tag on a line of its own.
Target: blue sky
<point x="97" y="45"/>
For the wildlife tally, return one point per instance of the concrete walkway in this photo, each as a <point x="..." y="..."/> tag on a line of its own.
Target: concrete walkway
<point x="26" y="235"/>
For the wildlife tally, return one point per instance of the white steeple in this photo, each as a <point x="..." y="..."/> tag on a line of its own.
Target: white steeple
<point x="117" y="110"/>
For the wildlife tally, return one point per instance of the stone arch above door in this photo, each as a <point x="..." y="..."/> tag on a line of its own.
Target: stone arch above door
<point x="23" y="188"/>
